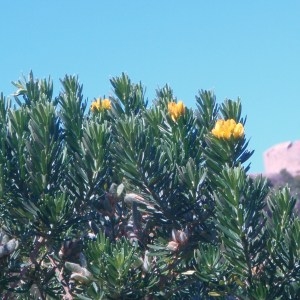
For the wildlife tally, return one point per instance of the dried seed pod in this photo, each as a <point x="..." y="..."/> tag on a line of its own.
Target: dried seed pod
<point x="173" y="246"/>
<point x="4" y="238"/>
<point x="77" y="269"/>
<point x="179" y="236"/>
<point x="81" y="278"/>
<point x="8" y="248"/>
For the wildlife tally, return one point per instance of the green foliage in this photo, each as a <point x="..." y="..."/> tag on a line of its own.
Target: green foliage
<point x="117" y="270"/>
<point x="284" y="178"/>
<point x="132" y="203"/>
<point x="129" y="97"/>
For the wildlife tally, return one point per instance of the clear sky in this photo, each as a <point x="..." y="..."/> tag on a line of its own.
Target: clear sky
<point x="247" y="49"/>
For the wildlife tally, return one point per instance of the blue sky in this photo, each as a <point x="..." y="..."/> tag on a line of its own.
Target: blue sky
<point x="246" y="49"/>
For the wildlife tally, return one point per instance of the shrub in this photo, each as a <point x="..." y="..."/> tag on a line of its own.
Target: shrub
<point x="130" y="201"/>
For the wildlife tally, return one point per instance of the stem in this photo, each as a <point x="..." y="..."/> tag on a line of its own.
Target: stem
<point x="33" y="255"/>
<point x="59" y="274"/>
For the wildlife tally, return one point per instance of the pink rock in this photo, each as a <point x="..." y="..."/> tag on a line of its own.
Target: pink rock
<point x="283" y="156"/>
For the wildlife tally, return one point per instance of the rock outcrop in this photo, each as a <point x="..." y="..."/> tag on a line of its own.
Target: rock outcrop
<point x="282" y="167"/>
<point x="284" y="156"/>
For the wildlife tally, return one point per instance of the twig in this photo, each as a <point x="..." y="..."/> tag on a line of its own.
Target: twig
<point x="62" y="280"/>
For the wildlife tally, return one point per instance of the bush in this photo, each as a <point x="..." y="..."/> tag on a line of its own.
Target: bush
<point x="130" y="201"/>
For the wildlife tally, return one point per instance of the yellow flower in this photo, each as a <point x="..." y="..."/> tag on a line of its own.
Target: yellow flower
<point x="238" y="131"/>
<point x="176" y="109"/>
<point x="99" y="105"/>
<point x="225" y="129"/>
<point x="106" y="104"/>
<point x="96" y="105"/>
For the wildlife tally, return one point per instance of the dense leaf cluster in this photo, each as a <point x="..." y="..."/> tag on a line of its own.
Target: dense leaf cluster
<point x="132" y="203"/>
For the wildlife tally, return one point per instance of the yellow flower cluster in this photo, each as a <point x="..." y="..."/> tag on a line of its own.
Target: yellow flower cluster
<point x="225" y="129"/>
<point x="176" y="109"/>
<point x="100" y="104"/>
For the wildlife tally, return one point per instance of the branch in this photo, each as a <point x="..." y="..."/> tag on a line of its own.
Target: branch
<point x="59" y="274"/>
